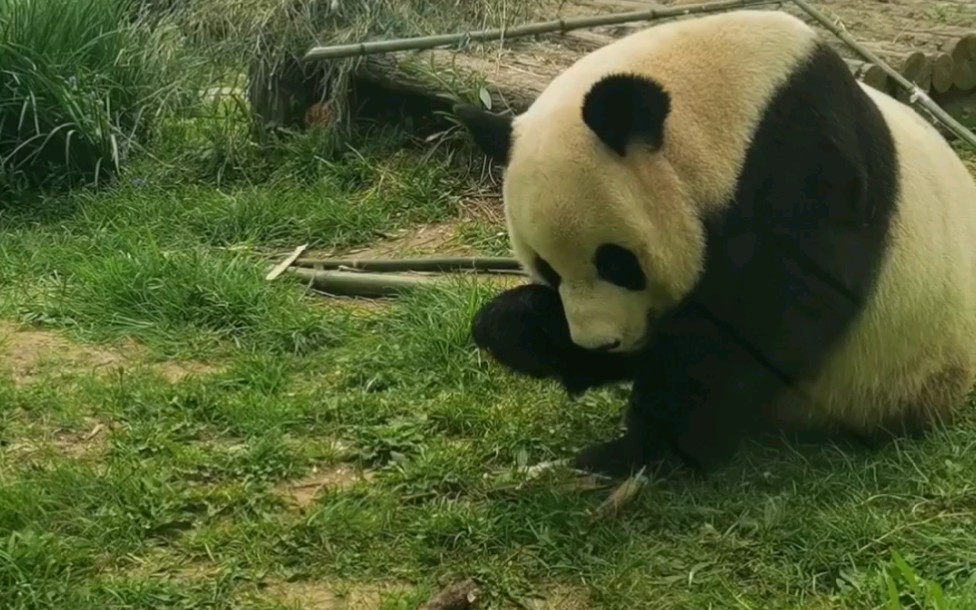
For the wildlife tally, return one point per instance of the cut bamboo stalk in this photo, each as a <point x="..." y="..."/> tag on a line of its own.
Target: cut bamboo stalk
<point x="357" y="284"/>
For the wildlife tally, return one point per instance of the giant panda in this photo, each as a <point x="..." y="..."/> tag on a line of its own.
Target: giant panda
<point x="717" y="211"/>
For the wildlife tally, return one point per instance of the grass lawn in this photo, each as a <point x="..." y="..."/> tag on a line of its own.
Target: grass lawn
<point x="177" y="433"/>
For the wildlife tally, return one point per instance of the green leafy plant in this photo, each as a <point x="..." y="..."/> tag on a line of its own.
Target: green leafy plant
<point x="83" y="81"/>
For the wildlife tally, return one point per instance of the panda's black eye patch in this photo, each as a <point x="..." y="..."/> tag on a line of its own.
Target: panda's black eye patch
<point x="619" y="266"/>
<point x="547" y="272"/>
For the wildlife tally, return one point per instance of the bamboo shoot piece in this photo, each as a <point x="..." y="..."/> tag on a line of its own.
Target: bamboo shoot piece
<point x="964" y="63"/>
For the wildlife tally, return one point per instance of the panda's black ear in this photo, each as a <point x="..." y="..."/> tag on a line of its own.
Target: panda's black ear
<point x="623" y="108"/>
<point x="491" y="132"/>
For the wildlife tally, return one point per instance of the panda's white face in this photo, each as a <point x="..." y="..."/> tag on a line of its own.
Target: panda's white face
<point x="607" y="233"/>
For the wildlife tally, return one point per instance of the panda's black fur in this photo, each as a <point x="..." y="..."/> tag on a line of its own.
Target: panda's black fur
<point x="802" y="240"/>
<point x="525" y="328"/>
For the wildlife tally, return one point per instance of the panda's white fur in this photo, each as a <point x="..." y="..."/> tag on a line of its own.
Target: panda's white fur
<point x="724" y="68"/>
<point x="915" y="344"/>
<point x="910" y="352"/>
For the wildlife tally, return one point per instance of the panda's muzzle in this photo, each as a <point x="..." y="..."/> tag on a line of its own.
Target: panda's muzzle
<point x="606" y="347"/>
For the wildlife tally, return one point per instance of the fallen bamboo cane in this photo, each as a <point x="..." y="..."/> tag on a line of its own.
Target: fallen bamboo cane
<point x="916" y="94"/>
<point x="419" y="43"/>
<point x="449" y="263"/>
<point x="366" y="285"/>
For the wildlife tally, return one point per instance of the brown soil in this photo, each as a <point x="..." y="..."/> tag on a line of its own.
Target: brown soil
<point x="27" y="355"/>
<point x="433" y="239"/>
<point x="333" y="596"/>
<point x="303" y="492"/>
<point x="561" y="597"/>
<point x="85" y="442"/>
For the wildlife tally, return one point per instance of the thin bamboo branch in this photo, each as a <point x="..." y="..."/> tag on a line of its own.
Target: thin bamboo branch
<point x="286" y="262"/>
<point x="367" y="285"/>
<point x="418" y="43"/>
<point x="917" y="96"/>
<point x="449" y="263"/>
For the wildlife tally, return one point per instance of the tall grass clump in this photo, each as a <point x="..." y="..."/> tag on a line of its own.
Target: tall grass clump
<point x="83" y="82"/>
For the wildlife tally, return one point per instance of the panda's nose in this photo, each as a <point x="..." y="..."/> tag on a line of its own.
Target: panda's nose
<point x="606" y="347"/>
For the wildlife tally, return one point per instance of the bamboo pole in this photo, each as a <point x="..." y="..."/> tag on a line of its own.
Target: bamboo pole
<point x="917" y="96"/>
<point x="419" y="43"/>
<point x="449" y="263"/>
<point x="367" y="285"/>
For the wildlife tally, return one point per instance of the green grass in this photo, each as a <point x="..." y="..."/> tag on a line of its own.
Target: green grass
<point x="83" y="84"/>
<point x="125" y="487"/>
<point x="181" y="500"/>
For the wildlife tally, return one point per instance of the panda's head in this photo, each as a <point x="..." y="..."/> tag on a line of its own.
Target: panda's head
<point x="593" y="204"/>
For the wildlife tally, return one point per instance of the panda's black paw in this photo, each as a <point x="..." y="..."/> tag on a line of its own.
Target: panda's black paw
<point x="575" y="384"/>
<point x="617" y="459"/>
<point x="524" y="329"/>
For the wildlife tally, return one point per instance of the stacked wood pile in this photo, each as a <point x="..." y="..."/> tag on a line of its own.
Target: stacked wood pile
<point x="938" y="56"/>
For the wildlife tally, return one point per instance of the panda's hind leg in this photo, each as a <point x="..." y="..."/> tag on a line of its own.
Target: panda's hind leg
<point x="935" y="404"/>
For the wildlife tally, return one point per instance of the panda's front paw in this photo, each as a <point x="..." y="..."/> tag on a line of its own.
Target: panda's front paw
<point x="576" y="384"/>
<point x="524" y="329"/>
<point x="617" y="459"/>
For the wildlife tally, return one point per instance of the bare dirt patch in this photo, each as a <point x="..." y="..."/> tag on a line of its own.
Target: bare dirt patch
<point x="560" y="597"/>
<point x="430" y="239"/>
<point x="27" y="355"/>
<point x="302" y="492"/>
<point x="33" y="439"/>
<point x="422" y="240"/>
<point x="335" y="596"/>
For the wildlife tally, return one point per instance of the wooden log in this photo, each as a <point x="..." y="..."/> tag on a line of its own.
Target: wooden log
<point x="917" y="68"/>
<point x="869" y="74"/>
<point x="964" y="63"/>
<point x="515" y="83"/>
<point x="509" y="78"/>
<point x="942" y="72"/>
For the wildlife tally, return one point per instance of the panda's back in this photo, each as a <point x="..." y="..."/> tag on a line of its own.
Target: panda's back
<point x="720" y="71"/>
<point x="914" y="345"/>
